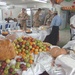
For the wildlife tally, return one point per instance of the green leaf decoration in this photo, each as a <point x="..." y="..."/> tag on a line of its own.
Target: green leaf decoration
<point x="68" y="0"/>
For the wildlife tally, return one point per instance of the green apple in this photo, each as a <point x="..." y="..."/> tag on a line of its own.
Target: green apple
<point x="26" y="60"/>
<point x="13" y="72"/>
<point x="30" y="47"/>
<point x="26" y="51"/>
<point x="27" y="55"/>
<point x="19" y="50"/>
<point x="12" y="66"/>
<point x="23" y="46"/>
<point x="6" y="72"/>
<point x="44" y="49"/>
<point x="7" y="67"/>
<point x="28" y="65"/>
<point x="27" y="44"/>
<point x="8" y="61"/>
<point x="17" y="66"/>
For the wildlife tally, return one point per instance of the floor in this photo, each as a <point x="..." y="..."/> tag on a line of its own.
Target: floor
<point x="64" y="36"/>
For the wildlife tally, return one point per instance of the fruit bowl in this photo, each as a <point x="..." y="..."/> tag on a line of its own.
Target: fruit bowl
<point x="28" y="31"/>
<point x="5" y="33"/>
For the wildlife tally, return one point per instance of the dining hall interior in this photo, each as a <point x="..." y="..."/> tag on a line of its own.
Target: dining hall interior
<point x="37" y="37"/>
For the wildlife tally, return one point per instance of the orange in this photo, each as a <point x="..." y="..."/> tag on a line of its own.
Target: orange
<point x="37" y="47"/>
<point x="36" y="52"/>
<point x="31" y="61"/>
<point x="31" y="43"/>
<point x="47" y="48"/>
<point x="20" y="53"/>
<point x="31" y="51"/>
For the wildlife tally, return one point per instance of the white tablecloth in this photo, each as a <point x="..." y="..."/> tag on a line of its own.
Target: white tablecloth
<point x="40" y="65"/>
<point x="67" y="62"/>
<point x="41" y="35"/>
<point x="70" y="44"/>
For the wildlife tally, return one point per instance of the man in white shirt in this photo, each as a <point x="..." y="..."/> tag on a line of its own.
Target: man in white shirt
<point x="72" y="26"/>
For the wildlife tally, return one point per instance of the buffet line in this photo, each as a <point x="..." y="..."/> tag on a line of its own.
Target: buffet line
<point x="23" y="54"/>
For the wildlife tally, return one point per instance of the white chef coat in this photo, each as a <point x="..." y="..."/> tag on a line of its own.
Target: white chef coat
<point x="72" y="21"/>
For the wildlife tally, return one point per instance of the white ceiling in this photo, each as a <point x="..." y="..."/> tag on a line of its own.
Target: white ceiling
<point x="20" y="2"/>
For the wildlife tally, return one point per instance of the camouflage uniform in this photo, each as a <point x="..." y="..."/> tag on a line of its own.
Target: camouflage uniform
<point x="48" y="19"/>
<point x="36" y="20"/>
<point x="23" y="22"/>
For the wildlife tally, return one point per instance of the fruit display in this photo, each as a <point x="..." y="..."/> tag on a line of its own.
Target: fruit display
<point x="6" y="68"/>
<point x="25" y="48"/>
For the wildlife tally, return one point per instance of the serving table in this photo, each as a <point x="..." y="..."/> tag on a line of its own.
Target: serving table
<point x="40" y="34"/>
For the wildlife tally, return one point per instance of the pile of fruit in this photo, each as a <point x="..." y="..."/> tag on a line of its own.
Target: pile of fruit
<point x="25" y="48"/>
<point x="28" y="45"/>
<point x="11" y="67"/>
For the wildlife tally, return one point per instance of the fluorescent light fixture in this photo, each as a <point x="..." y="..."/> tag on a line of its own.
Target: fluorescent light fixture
<point x="2" y="3"/>
<point x="43" y="1"/>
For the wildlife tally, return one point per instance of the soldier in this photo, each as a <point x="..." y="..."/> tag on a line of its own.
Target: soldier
<point x="36" y="19"/>
<point x="48" y="18"/>
<point x="23" y="16"/>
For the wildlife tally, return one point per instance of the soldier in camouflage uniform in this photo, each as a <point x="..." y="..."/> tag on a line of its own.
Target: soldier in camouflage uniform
<point x="36" y="19"/>
<point x="48" y="18"/>
<point x="23" y="16"/>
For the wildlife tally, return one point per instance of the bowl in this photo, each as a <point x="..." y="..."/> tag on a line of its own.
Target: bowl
<point x="5" y="33"/>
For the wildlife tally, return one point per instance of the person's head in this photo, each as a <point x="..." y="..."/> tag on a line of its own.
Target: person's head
<point x="39" y="10"/>
<point x="23" y="10"/>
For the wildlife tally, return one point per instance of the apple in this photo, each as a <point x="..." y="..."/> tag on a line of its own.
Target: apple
<point x="17" y="66"/>
<point x="28" y="65"/>
<point x="36" y="50"/>
<point x="23" y="46"/>
<point x="30" y="47"/>
<point x="22" y="60"/>
<point x="11" y="70"/>
<point x="8" y="61"/>
<point x="6" y="72"/>
<point x="18" y="46"/>
<point x="27" y="44"/>
<point x="26" y="60"/>
<point x="1" y="69"/>
<point x="26" y="51"/>
<point x="40" y="50"/>
<point x="16" y="74"/>
<point x="26" y="47"/>
<point x="12" y="66"/>
<point x="18" y="60"/>
<point x="19" y="50"/>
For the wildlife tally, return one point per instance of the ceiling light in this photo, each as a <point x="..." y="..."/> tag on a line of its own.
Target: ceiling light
<point x="43" y="1"/>
<point x="2" y="3"/>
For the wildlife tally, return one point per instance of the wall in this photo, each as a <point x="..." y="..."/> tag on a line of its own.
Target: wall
<point x="13" y="11"/>
<point x="64" y="3"/>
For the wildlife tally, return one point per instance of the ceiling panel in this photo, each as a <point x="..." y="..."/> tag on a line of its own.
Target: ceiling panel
<point x="19" y="2"/>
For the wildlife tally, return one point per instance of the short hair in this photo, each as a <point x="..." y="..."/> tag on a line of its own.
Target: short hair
<point x="23" y="9"/>
<point x="39" y="9"/>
